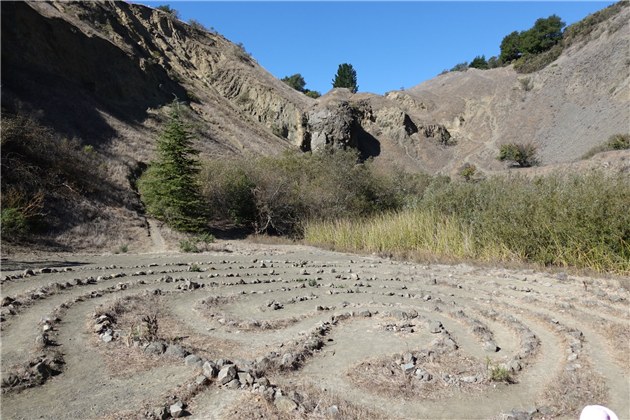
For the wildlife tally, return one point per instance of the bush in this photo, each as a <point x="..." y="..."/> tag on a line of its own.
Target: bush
<point x="619" y="141"/>
<point x="313" y="94"/>
<point x="276" y="194"/>
<point x="460" y="66"/>
<point x="195" y="243"/>
<point x="615" y="142"/>
<point x="296" y="81"/>
<point x="468" y="172"/>
<point x="172" y="13"/>
<point x="13" y="222"/>
<point x="530" y="63"/>
<point x="523" y="155"/>
<point x="197" y="25"/>
<point x="42" y="175"/>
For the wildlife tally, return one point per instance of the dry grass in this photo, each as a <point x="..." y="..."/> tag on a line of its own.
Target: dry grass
<point x="384" y="376"/>
<point x="618" y="337"/>
<point x="314" y="404"/>
<point x="570" y="391"/>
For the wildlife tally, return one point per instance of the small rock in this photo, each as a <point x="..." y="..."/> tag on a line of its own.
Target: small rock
<point x="490" y="346"/>
<point x="233" y="384"/>
<point x="285" y="404"/>
<point x="192" y="359"/>
<point x="408" y="367"/>
<point x="210" y="369"/>
<point x="161" y="413"/>
<point x="435" y="327"/>
<point x="176" y="411"/>
<point x="226" y="374"/>
<point x="155" y="348"/>
<point x="333" y="411"/>
<point x="175" y="351"/>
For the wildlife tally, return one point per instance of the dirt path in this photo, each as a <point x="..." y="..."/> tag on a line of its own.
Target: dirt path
<point x="158" y="245"/>
<point x="311" y="287"/>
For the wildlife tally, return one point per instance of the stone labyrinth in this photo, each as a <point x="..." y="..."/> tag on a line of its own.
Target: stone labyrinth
<point x="297" y="332"/>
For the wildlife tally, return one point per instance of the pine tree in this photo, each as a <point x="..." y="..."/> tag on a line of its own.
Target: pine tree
<point x="346" y="77"/>
<point x="169" y="188"/>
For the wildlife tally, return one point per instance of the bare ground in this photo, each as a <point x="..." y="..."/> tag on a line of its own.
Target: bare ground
<point x="312" y="286"/>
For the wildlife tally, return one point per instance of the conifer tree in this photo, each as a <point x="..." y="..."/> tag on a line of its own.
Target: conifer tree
<point x="169" y="187"/>
<point x="346" y="77"/>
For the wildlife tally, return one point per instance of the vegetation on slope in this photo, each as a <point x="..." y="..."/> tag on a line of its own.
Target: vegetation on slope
<point x="533" y="49"/>
<point x="57" y="192"/>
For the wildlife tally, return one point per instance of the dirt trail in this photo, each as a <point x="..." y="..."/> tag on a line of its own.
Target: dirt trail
<point x="158" y="245"/>
<point x="310" y="287"/>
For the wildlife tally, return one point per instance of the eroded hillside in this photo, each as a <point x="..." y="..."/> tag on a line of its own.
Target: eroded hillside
<point x="101" y="73"/>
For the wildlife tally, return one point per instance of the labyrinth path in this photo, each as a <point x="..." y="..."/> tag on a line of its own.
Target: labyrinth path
<point x="256" y="331"/>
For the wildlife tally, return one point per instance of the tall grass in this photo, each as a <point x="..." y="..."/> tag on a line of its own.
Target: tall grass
<point x="564" y="220"/>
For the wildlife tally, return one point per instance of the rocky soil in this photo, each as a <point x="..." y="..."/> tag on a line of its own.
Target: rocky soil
<point x="281" y="331"/>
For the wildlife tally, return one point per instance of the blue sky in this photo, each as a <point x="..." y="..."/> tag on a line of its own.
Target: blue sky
<point x="391" y="45"/>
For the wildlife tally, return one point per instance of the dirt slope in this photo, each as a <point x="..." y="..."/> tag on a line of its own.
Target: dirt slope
<point x="565" y="109"/>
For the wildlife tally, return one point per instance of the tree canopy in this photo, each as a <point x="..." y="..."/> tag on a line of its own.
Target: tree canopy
<point x="510" y="47"/>
<point x="539" y="38"/>
<point x="296" y="81"/>
<point x="346" y="77"/>
<point x="543" y="35"/>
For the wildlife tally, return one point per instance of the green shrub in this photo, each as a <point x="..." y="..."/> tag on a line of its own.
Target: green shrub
<point x="313" y="94"/>
<point x="580" y="31"/>
<point x="499" y="374"/>
<point x="615" y="142"/>
<point x="13" y="222"/>
<point x="526" y="84"/>
<point x="529" y="63"/>
<point x="194" y="23"/>
<point x="121" y="249"/>
<point x="468" y="172"/>
<point x="312" y="283"/>
<point x="523" y="155"/>
<point x="619" y="141"/>
<point x="172" y="13"/>
<point x="460" y="66"/>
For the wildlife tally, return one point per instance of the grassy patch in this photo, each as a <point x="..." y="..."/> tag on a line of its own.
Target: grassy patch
<point x="563" y="220"/>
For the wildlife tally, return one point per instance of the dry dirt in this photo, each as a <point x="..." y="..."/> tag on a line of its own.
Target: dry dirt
<point x="509" y="304"/>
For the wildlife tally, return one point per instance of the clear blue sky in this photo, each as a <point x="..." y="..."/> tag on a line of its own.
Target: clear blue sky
<point x="389" y="44"/>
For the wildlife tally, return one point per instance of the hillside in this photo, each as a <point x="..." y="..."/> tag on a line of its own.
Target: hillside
<point x="102" y="72"/>
<point x="564" y="109"/>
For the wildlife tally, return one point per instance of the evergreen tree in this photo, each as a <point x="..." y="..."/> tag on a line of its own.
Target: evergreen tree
<point x="296" y="82"/>
<point x="479" y="63"/>
<point x="346" y="77"/>
<point x="169" y="187"/>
